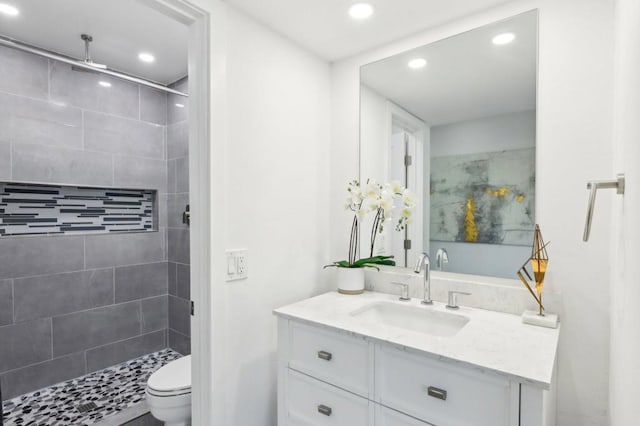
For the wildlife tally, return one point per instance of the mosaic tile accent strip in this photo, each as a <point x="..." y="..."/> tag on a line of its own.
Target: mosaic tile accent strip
<point x="113" y="390"/>
<point x="29" y="209"/>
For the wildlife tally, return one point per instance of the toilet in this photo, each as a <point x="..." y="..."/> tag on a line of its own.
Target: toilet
<point x="169" y="393"/>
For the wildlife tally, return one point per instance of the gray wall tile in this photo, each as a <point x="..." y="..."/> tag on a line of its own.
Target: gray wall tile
<point x="124" y="249"/>
<point x="81" y="89"/>
<point x="177" y="140"/>
<point x="155" y="313"/>
<point x="37" y="376"/>
<point x="175" y="113"/>
<point x="178" y="245"/>
<point x="140" y="281"/>
<point x="183" y="281"/>
<point x="182" y="174"/>
<point x="130" y="172"/>
<point x="180" y="315"/>
<point x="24" y="120"/>
<point x="176" y="204"/>
<point x="50" y="295"/>
<point x="23" y="74"/>
<point x="6" y="302"/>
<point x="21" y="257"/>
<point x="179" y="342"/>
<point x="172" y="278"/>
<point x="25" y="343"/>
<point x="5" y="160"/>
<point x="122" y="136"/>
<point x="162" y="210"/>
<point x="115" y="353"/>
<point x="153" y="105"/>
<point x="96" y="327"/>
<point x="37" y="163"/>
<point x="171" y="176"/>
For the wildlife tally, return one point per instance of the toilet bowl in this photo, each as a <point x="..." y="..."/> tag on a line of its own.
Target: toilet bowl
<point x="169" y="393"/>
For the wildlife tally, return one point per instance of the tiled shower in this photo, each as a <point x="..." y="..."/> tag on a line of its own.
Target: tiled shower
<point x="76" y="303"/>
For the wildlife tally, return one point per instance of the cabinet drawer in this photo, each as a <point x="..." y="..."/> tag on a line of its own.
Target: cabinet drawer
<point x="330" y="356"/>
<point x="311" y="402"/>
<point x="388" y="417"/>
<point x="437" y="393"/>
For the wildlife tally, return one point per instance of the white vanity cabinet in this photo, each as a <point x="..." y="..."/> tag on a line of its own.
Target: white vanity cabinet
<point x="333" y="377"/>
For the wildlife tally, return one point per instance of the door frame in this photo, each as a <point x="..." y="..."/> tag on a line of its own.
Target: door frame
<point x="206" y="20"/>
<point x="419" y="129"/>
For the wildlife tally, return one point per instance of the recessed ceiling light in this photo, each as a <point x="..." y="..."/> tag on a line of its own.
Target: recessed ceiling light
<point x="180" y="105"/>
<point x="504" y="38"/>
<point x="417" y="63"/>
<point x="146" y="57"/>
<point x="361" y="11"/>
<point x="104" y="83"/>
<point x="7" y="9"/>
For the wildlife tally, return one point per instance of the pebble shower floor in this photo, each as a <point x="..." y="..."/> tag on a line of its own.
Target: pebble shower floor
<point x="112" y="390"/>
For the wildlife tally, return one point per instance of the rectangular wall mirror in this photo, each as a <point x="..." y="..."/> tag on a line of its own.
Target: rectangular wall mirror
<point x="455" y="122"/>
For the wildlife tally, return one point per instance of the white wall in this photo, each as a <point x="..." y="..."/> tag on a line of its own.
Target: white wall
<point x="269" y="156"/>
<point x="374" y="129"/>
<point x="490" y="134"/>
<point x="573" y="146"/>
<point x="276" y="203"/>
<point x="508" y="131"/>
<point x="625" y="291"/>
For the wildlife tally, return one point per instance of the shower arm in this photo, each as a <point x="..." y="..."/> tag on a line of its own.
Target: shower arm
<point x="14" y="44"/>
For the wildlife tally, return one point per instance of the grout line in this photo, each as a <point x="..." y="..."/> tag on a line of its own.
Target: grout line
<point x="140" y="317"/>
<point x="51" y="323"/>
<point x="90" y="309"/>
<point x="83" y="127"/>
<point x="13" y="302"/>
<point x="89" y="269"/>
<point x="49" y="65"/>
<point x="139" y="103"/>
<point x="113" y="269"/>
<point x="177" y="332"/>
<point x="11" y="161"/>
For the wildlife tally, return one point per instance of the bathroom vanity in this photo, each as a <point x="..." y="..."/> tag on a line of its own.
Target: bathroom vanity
<point x="373" y="360"/>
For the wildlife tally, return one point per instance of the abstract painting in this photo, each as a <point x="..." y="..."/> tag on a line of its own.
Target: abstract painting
<point x="484" y="197"/>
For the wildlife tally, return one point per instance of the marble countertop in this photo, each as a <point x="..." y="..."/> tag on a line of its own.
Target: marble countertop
<point x="490" y="341"/>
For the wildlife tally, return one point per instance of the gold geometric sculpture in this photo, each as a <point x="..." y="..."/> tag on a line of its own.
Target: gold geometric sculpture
<point x="539" y="261"/>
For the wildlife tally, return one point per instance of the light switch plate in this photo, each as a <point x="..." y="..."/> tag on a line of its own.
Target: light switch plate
<point x="237" y="264"/>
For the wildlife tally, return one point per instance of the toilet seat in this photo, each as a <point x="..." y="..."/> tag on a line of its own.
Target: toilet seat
<point x="171" y="380"/>
<point x="168" y="394"/>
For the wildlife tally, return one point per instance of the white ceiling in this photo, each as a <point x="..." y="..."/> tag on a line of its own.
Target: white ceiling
<point x="120" y="29"/>
<point x="324" y="27"/>
<point x="123" y="28"/>
<point x="467" y="76"/>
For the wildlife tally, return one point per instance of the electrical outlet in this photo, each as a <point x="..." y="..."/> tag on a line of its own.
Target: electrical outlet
<point x="237" y="265"/>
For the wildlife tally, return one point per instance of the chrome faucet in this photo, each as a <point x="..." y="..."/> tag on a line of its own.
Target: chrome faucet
<point x="442" y="257"/>
<point x="424" y="262"/>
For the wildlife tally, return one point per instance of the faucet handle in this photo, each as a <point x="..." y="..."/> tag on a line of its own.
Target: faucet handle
<point x="453" y="299"/>
<point x="405" y="291"/>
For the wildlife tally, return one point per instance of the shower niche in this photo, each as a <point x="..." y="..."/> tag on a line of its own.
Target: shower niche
<point x="38" y="209"/>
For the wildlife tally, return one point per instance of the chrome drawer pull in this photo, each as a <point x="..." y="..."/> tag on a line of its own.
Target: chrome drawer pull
<point x="437" y="393"/>
<point x="325" y="355"/>
<point x="323" y="409"/>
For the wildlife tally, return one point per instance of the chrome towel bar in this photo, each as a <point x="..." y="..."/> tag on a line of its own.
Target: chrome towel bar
<point x="593" y="186"/>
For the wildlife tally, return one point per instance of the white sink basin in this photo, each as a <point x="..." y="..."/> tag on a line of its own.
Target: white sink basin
<point x="420" y="319"/>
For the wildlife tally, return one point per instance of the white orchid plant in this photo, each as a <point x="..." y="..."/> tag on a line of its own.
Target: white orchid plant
<point x="381" y="199"/>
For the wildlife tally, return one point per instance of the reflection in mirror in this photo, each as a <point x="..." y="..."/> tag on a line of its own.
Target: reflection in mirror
<point x="455" y="122"/>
